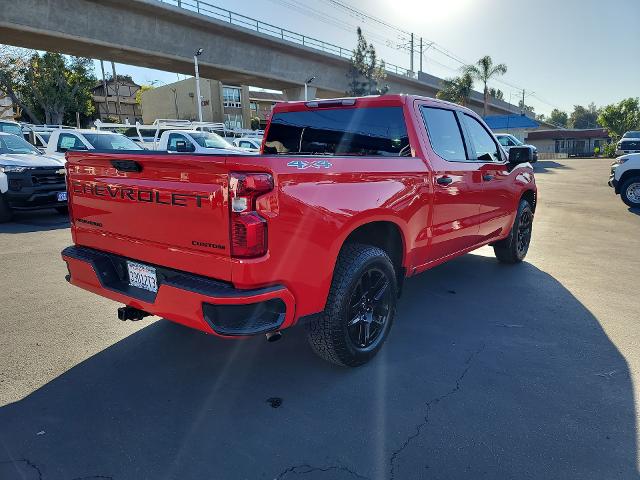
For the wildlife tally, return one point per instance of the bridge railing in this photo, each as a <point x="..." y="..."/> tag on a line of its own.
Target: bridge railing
<point x="210" y="10"/>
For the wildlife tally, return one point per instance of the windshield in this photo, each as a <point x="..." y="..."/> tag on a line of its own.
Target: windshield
<point x="210" y="140"/>
<point x="16" y="145"/>
<point x="10" y="128"/>
<point x="111" y="141"/>
<point x="632" y="134"/>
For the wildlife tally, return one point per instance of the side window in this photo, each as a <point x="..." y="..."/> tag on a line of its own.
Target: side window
<point x="504" y="141"/>
<point x="67" y="141"/>
<point x="444" y="133"/>
<point x="174" y="138"/>
<point x="485" y="148"/>
<point x="246" y="145"/>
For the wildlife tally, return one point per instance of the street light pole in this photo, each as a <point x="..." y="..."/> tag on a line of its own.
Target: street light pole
<point x="306" y="84"/>
<point x="199" y="98"/>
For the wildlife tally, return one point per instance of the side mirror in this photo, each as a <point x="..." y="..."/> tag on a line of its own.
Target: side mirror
<point x="181" y="146"/>
<point x="519" y="155"/>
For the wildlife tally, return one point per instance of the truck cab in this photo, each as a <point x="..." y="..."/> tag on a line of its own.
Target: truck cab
<point x="63" y="140"/>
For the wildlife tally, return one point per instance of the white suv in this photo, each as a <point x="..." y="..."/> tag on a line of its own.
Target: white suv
<point x="629" y="143"/>
<point x="507" y="141"/>
<point x="625" y="178"/>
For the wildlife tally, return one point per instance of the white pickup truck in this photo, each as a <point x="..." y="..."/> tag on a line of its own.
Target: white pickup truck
<point x="63" y="140"/>
<point x="196" y="141"/>
<point x="625" y="178"/>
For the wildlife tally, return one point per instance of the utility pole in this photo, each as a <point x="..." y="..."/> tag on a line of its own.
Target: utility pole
<point x="104" y="86"/>
<point x="523" y="105"/>
<point x="199" y="98"/>
<point x="411" y="49"/>
<point x="421" y="54"/>
<point x="115" y="79"/>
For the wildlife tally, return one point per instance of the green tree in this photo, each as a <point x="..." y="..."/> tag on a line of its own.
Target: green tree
<point x="496" y="93"/>
<point x="582" y="117"/>
<point x="620" y="117"/>
<point x="558" y="118"/>
<point x="457" y="90"/>
<point x="57" y="87"/>
<point x="483" y="71"/>
<point x="526" y="108"/>
<point x="13" y="62"/>
<point x="365" y="72"/>
<point x="140" y="91"/>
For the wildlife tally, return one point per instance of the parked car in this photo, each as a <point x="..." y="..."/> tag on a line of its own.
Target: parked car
<point x="64" y="140"/>
<point x="629" y="143"/>
<point x="251" y="144"/>
<point x="8" y="126"/>
<point x="196" y="141"/>
<point x="29" y="180"/>
<point x="508" y="141"/>
<point x="352" y="196"/>
<point x="39" y="135"/>
<point x="625" y="178"/>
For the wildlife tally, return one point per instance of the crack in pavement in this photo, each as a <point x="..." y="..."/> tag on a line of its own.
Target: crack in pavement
<point x="428" y="406"/>
<point x="305" y="469"/>
<point x="27" y="462"/>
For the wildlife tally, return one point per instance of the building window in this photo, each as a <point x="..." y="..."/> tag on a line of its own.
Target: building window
<point x="232" y="97"/>
<point x="254" y="107"/>
<point x="233" y="121"/>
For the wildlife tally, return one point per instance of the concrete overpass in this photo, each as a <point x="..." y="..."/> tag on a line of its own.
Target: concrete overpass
<point x="153" y="34"/>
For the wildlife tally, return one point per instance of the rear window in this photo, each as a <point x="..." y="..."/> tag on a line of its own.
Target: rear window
<point x="111" y="141"/>
<point x="344" y="131"/>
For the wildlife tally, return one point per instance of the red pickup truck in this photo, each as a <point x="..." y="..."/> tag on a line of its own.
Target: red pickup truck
<point x="349" y="197"/>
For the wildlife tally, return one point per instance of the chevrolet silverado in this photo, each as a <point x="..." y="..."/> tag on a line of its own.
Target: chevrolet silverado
<point x="348" y="198"/>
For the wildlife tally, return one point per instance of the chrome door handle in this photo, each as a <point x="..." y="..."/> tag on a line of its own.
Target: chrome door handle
<point x="444" y="180"/>
<point x="487" y="177"/>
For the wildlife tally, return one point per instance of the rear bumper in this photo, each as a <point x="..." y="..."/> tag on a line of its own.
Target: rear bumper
<point x="192" y="300"/>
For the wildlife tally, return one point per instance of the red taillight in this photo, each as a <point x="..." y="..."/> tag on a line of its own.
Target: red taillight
<point x="248" y="228"/>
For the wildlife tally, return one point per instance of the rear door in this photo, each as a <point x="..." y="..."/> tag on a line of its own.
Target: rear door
<point x="155" y="208"/>
<point x="457" y="188"/>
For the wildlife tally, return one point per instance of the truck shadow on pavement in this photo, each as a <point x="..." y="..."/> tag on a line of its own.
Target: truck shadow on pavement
<point x="38" y="221"/>
<point x="490" y="371"/>
<point x="548" y="166"/>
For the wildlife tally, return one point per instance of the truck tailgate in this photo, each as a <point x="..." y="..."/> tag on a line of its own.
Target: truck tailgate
<point x="162" y="209"/>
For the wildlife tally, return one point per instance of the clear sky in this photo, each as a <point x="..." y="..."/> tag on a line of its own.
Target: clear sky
<point x="562" y="52"/>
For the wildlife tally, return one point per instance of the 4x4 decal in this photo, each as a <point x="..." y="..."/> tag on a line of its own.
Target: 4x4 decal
<point x="301" y="164"/>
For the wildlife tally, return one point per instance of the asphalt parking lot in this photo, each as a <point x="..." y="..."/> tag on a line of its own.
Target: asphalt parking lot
<point x="491" y="371"/>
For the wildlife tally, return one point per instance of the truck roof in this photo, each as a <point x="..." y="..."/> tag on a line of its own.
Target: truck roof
<point x="387" y="100"/>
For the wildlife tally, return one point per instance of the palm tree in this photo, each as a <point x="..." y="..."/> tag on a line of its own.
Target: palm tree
<point x="483" y="71"/>
<point x="456" y="90"/>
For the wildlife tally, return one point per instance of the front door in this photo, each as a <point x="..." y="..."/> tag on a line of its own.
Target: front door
<point x="497" y="202"/>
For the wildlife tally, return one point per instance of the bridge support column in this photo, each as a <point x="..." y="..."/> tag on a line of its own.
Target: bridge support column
<point x="297" y="93"/>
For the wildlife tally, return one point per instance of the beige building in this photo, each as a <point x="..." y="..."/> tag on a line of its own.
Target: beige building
<point x="262" y="103"/>
<point x="220" y="103"/>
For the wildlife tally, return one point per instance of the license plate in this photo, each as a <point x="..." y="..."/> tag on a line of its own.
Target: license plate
<point x="62" y="196"/>
<point x="142" y="276"/>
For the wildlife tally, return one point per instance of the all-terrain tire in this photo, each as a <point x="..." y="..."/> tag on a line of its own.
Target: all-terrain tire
<point x="630" y="192"/>
<point x="5" y="212"/>
<point x="331" y="333"/>
<point x="514" y="248"/>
